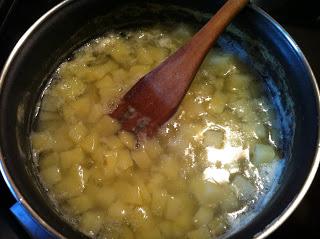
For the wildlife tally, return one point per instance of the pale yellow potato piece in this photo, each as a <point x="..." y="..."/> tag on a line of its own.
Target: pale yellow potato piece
<point x="201" y="233"/>
<point x="81" y="204"/>
<point x="70" y="88"/>
<point x="169" y="167"/>
<point x="126" y="233"/>
<point x="77" y="132"/>
<point x="218" y="103"/>
<point x="103" y="197"/>
<point x="140" y="216"/>
<point x="263" y="153"/>
<point x="106" y="126"/>
<point x="237" y="82"/>
<point x="153" y="148"/>
<point x="62" y="141"/>
<point x="89" y="143"/>
<point x="118" y="211"/>
<point x="137" y="71"/>
<point x="127" y="139"/>
<point x="203" y="216"/>
<point x="147" y="232"/>
<point x="244" y="189"/>
<point x="144" y="56"/>
<point x="42" y="141"/>
<point x="49" y="116"/>
<point x="71" y="157"/>
<point x="91" y="223"/>
<point x="141" y="158"/>
<point x="120" y="51"/>
<point x="51" y="103"/>
<point x="124" y="160"/>
<point x="48" y="160"/>
<point x="113" y="142"/>
<point x="51" y="175"/>
<point x="159" y="201"/>
<point x="128" y="193"/>
<point x="214" y="138"/>
<point x="95" y="113"/>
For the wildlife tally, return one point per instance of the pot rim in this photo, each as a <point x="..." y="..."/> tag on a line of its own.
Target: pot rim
<point x="272" y="226"/>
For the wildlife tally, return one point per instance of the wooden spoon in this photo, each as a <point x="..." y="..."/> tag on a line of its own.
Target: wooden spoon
<point x="157" y="95"/>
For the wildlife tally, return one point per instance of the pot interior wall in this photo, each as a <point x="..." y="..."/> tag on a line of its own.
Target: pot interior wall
<point x="252" y="37"/>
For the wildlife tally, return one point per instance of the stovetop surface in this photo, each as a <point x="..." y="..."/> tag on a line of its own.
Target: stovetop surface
<point x="301" y="20"/>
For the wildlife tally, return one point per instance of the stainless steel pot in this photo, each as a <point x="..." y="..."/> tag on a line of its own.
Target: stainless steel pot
<point x="254" y="36"/>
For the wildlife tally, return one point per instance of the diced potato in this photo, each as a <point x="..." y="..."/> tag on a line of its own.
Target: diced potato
<point x="120" y="52"/>
<point x="137" y="71"/>
<point x="174" y="208"/>
<point x="113" y="142"/>
<point x="193" y="108"/>
<point x="91" y="223"/>
<point x="153" y="148"/>
<point x="110" y="163"/>
<point x="201" y="233"/>
<point x="51" y="159"/>
<point x="81" y="204"/>
<point x="62" y="141"/>
<point x="166" y="228"/>
<point x="124" y="160"/>
<point x="51" y="175"/>
<point x="42" y="141"/>
<point x="118" y="211"/>
<point x="106" y="126"/>
<point x="229" y="202"/>
<point x="245" y="190"/>
<point x="263" y="154"/>
<point x="95" y="113"/>
<point x="141" y="158"/>
<point x="71" y="157"/>
<point x="218" y="226"/>
<point x="223" y="64"/>
<point x="237" y="82"/>
<point x="119" y="76"/>
<point x="105" y="82"/>
<point x="68" y="187"/>
<point x="214" y="138"/>
<point x="140" y="216"/>
<point x="157" y="54"/>
<point x="70" y="88"/>
<point x="49" y="116"/>
<point x="159" y="201"/>
<point x="207" y="193"/>
<point x="126" y="233"/>
<point x="127" y="139"/>
<point x="128" y="193"/>
<point x="169" y="167"/>
<point x="203" y="216"/>
<point x="51" y="103"/>
<point x="89" y="143"/>
<point x="77" y="132"/>
<point x="218" y="103"/>
<point x="147" y="232"/>
<point x="144" y="56"/>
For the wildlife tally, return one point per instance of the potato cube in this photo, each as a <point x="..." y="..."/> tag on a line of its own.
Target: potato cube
<point x="113" y="142"/>
<point x="105" y="82"/>
<point x="62" y="141"/>
<point x="95" y="113"/>
<point x="49" y="116"/>
<point x="218" y="103"/>
<point x="103" y="196"/>
<point x="201" y="233"/>
<point x="89" y="143"/>
<point x="81" y="204"/>
<point x="127" y="139"/>
<point x="159" y="201"/>
<point x="141" y="158"/>
<point x="124" y="160"/>
<point x="51" y="159"/>
<point x="91" y="223"/>
<point x="170" y="167"/>
<point x="71" y="157"/>
<point x="153" y="148"/>
<point x="77" y="132"/>
<point x="67" y="188"/>
<point x="203" y="216"/>
<point x="144" y="56"/>
<point x="140" y="216"/>
<point x="263" y="154"/>
<point x="51" y="175"/>
<point x="245" y="190"/>
<point x="137" y="71"/>
<point x="106" y="126"/>
<point x="128" y="193"/>
<point x="174" y="208"/>
<point x="118" y="211"/>
<point x="42" y="141"/>
<point x="213" y="138"/>
<point x="237" y="82"/>
<point x="147" y="232"/>
<point x="70" y="88"/>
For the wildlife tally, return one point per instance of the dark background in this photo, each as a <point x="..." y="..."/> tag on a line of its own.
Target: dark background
<point x="300" y="18"/>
